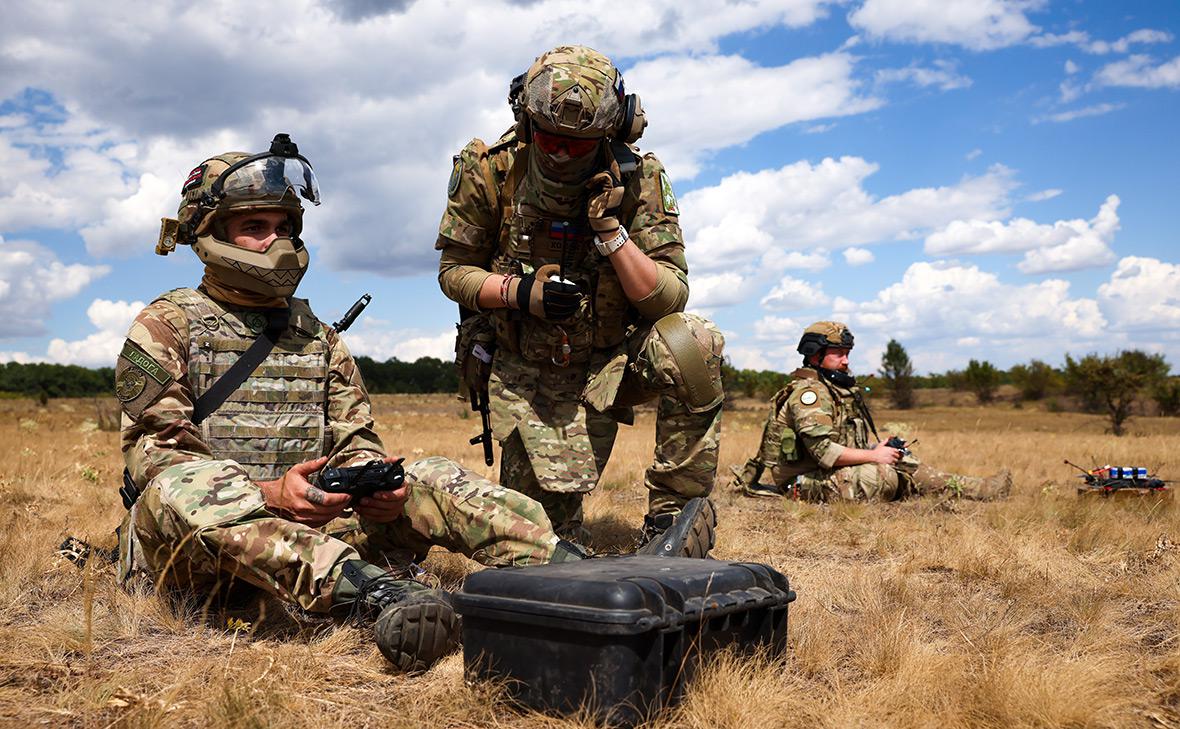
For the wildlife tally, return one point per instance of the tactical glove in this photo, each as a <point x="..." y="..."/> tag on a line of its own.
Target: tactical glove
<point x="544" y="298"/>
<point x="605" y="198"/>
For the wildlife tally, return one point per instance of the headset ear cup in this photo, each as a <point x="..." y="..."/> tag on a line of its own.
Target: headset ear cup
<point x="633" y="120"/>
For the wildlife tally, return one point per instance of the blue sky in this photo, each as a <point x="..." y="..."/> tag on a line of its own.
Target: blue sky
<point x="977" y="178"/>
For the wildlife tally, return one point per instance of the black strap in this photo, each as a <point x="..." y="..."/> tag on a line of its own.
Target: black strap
<point x="207" y="404"/>
<point x="864" y="410"/>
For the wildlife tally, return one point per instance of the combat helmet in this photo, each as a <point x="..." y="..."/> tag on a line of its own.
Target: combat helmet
<point x="238" y="182"/>
<point x="823" y="334"/>
<point x="576" y="91"/>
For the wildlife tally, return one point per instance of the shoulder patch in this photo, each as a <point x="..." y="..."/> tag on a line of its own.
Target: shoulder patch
<point x="808" y="397"/>
<point x="146" y="364"/>
<point x="139" y="380"/>
<point x="456" y="173"/>
<point x="667" y="197"/>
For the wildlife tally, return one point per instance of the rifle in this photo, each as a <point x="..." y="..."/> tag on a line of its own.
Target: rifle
<point x="479" y="404"/>
<point x="474" y="346"/>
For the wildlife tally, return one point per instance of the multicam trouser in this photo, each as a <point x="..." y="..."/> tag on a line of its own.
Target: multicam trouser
<point x="204" y="532"/>
<point x="862" y="482"/>
<point x="530" y="400"/>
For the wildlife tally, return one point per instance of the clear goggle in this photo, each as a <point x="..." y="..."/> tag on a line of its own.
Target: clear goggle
<point x="268" y="177"/>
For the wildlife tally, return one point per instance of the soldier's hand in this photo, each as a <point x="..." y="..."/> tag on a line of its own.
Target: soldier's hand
<point x="883" y="453"/>
<point x="551" y="300"/>
<point x="295" y="497"/>
<point x="383" y="506"/>
<point x="605" y="197"/>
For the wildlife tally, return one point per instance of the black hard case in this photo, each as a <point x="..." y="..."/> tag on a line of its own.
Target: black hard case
<point x="618" y="635"/>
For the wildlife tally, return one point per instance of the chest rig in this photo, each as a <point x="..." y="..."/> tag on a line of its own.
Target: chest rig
<point x="529" y="238"/>
<point x="850" y="425"/>
<point x="278" y="416"/>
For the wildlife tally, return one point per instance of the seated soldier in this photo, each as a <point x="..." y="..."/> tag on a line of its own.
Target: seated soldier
<point x="816" y="442"/>
<point x="217" y="478"/>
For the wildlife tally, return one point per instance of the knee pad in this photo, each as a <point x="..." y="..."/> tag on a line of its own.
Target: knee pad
<point x="690" y="347"/>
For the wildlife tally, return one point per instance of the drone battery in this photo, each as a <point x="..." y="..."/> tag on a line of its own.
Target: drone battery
<point x="618" y="636"/>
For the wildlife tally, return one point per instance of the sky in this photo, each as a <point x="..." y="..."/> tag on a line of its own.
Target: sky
<point x="978" y="179"/>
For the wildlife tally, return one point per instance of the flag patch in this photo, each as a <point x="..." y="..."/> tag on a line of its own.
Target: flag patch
<point x="194" y="179"/>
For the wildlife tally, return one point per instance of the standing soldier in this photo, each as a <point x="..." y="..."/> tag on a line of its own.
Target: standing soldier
<point x="219" y="455"/>
<point x="564" y="242"/>
<point x="816" y="442"/>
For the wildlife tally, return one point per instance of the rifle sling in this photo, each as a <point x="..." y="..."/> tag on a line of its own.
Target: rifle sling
<point x="211" y="399"/>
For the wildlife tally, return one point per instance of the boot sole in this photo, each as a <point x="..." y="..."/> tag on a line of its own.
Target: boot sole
<point x="414" y="635"/>
<point x="692" y="535"/>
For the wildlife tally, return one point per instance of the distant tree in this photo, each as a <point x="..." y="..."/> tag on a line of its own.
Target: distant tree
<point x="898" y="372"/>
<point x="1167" y="396"/>
<point x="1035" y="380"/>
<point x="982" y="378"/>
<point x="1111" y="384"/>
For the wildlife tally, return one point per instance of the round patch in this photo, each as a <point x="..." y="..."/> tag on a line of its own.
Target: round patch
<point x="256" y="322"/>
<point x="129" y="385"/>
<point x="808" y="398"/>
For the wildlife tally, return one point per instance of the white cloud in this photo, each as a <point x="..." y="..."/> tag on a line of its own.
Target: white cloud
<point x="1139" y="71"/>
<point x="777" y="329"/>
<point x="858" y="256"/>
<point x="794" y="293"/>
<point x="373" y="339"/>
<point x="944" y="75"/>
<point x="975" y="24"/>
<point x="819" y="128"/>
<point x="1071" y="67"/>
<point x="698" y="105"/>
<point x="719" y="289"/>
<point x="938" y="303"/>
<point x="748" y="358"/>
<point x="777" y="259"/>
<point x="1070" y="91"/>
<point x="1066" y="116"/>
<point x="1063" y="246"/>
<point x="1042" y="195"/>
<point x="31" y="279"/>
<point x="1143" y="293"/>
<point x="749" y="219"/>
<point x="973" y="154"/>
<point x="112" y="319"/>
<point x="1082" y="40"/>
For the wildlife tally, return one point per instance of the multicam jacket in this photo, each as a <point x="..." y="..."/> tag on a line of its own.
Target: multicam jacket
<point x="494" y="223"/>
<point x="812" y="422"/>
<point x="305" y="400"/>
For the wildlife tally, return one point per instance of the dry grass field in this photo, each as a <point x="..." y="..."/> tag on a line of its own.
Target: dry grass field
<point x="1043" y="610"/>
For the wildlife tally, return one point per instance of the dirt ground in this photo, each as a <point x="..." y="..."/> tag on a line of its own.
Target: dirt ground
<point x="1041" y="610"/>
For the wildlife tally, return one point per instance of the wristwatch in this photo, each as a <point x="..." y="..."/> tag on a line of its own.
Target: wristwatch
<point x="609" y="246"/>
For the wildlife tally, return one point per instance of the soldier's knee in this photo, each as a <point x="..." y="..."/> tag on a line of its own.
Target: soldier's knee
<point x="200" y="494"/>
<point x="434" y="471"/>
<point x="685" y="352"/>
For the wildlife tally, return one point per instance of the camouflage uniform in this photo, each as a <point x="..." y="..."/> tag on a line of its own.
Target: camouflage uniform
<point x="201" y="519"/>
<point x="555" y="410"/>
<point x="812" y="420"/>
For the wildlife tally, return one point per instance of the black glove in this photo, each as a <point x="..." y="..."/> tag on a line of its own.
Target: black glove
<point x="552" y="300"/>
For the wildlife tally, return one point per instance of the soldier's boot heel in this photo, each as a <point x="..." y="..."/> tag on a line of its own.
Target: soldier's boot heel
<point x="691" y="533"/>
<point x="416" y="631"/>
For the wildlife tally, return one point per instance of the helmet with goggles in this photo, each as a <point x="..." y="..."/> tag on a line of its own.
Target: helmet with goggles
<point x="235" y="183"/>
<point x="823" y="334"/>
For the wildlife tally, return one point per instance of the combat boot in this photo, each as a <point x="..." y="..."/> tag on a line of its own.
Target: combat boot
<point x="928" y="480"/>
<point x="691" y="533"/>
<point x="413" y="624"/>
<point x="746" y="481"/>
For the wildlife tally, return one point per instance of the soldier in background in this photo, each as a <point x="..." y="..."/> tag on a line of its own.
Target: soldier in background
<point x="224" y="496"/>
<point x="565" y="241"/>
<point x="816" y="443"/>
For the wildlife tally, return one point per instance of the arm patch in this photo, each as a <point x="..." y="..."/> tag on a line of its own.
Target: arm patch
<point x="139" y="380"/>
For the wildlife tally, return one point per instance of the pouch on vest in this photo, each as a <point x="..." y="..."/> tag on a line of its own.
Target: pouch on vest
<point x="475" y="343"/>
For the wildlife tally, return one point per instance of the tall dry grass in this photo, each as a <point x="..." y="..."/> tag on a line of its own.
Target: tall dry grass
<point x="1044" y="610"/>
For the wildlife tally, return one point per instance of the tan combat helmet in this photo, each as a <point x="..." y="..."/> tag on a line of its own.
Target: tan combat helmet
<point x="237" y="182"/>
<point x="823" y="334"/>
<point x="577" y="92"/>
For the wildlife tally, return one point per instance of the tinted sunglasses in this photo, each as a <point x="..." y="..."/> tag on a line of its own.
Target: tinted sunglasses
<point x="553" y="144"/>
